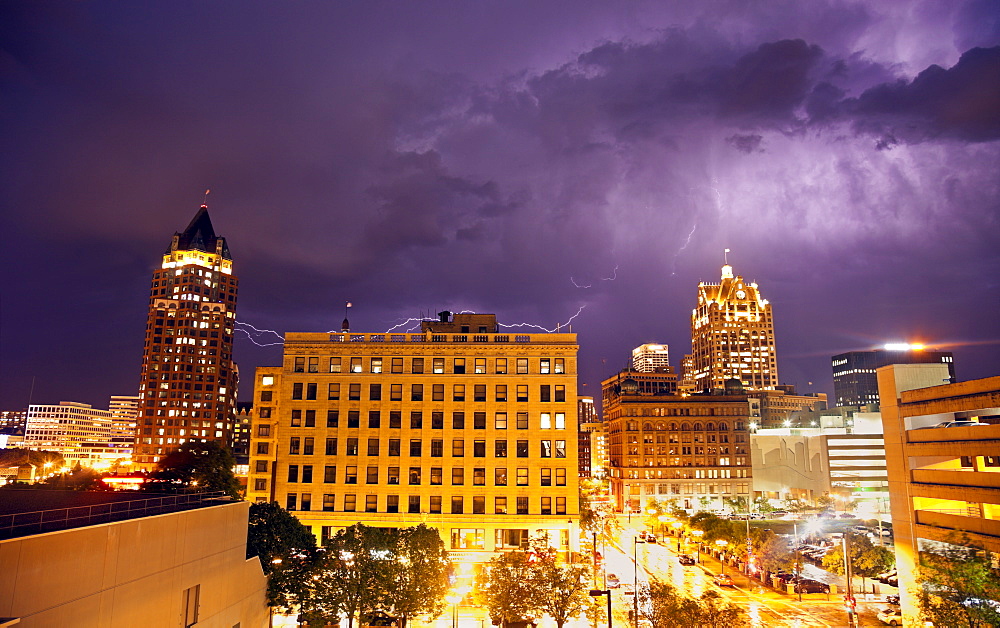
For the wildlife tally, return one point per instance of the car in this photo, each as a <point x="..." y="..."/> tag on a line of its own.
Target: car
<point x="777" y="514"/>
<point x="860" y="529"/>
<point x="651" y="538"/>
<point x="846" y="515"/>
<point x="893" y="581"/>
<point x="890" y="616"/>
<point x="685" y="559"/>
<point x="811" y="586"/>
<point x="723" y="580"/>
<point x="892" y="599"/>
<point x="884" y="577"/>
<point x="613" y="581"/>
<point x="959" y="424"/>
<point x="784" y="576"/>
<point x="643" y="535"/>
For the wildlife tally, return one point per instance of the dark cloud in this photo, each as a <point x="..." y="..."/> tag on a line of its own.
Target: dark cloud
<point x="746" y="143"/>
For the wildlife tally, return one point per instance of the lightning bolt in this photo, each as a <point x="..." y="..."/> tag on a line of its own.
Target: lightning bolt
<point x="407" y="322"/>
<point x="258" y="332"/>
<point x="614" y="275"/>
<point x="551" y="331"/>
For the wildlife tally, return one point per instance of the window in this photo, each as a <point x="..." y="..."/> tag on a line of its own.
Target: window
<point x="372" y="446"/>
<point x="437" y="448"/>
<point x="191" y="603"/>
<point x="500" y="506"/>
<point x="394" y="447"/>
<point x="415" y="447"/>
<point x="264" y="431"/>
<point x="561" y="477"/>
<point x="522" y="505"/>
<point x="560" y="392"/>
<point x="375" y="392"/>
<point x="437" y="476"/>
<point x="371" y="477"/>
<point x="437" y="420"/>
<point x="376" y="365"/>
<point x="392" y="475"/>
<point x="438" y="365"/>
<point x="458" y="420"/>
<point x="264" y="412"/>
<point x="266" y="395"/>
<point x="332" y="418"/>
<point x="417" y="392"/>
<point x="392" y="503"/>
<point x="331" y="447"/>
<point x="546" y="449"/>
<point x="334" y="365"/>
<point x="353" y="418"/>
<point x="546" y="506"/>
<point x="501" y="366"/>
<point x="511" y="539"/>
<point x="479" y="476"/>
<point x="311" y="391"/>
<point x="545" y="421"/>
<point x="522" y="476"/>
<point x="545" y="393"/>
<point x="501" y="392"/>
<point x="300" y="365"/>
<point x="500" y="476"/>
<point x="560" y="365"/>
<point x="522" y="366"/>
<point x="297" y="390"/>
<point x="435" y="505"/>
<point x="522" y="392"/>
<point x="560" y="505"/>
<point x="395" y="420"/>
<point x="352" y="447"/>
<point x="522" y="449"/>
<point x="296" y="418"/>
<point x="355" y="365"/>
<point x="416" y="420"/>
<point x="307" y="446"/>
<point x="479" y="392"/>
<point x="458" y="392"/>
<point x="500" y="421"/>
<point x="480" y="366"/>
<point x="293" y="445"/>
<point x="261" y="466"/>
<point x="291" y="501"/>
<point x="314" y="365"/>
<point x="459" y="366"/>
<point x="396" y="392"/>
<point x="330" y="474"/>
<point x="354" y="392"/>
<point x="306" y="502"/>
<point x="500" y="449"/>
<point x="560" y="449"/>
<point x="328" y="502"/>
<point x="479" y="505"/>
<point x="479" y="448"/>
<point x="457" y="448"/>
<point x="479" y="420"/>
<point x="457" y="476"/>
<point x="374" y="419"/>
<point x="560" y="420"/>
<point x="262" y="448"/>
<point x="437" y="392"/>
<point x="544" y="366"/>
<point x="546" y="477"/>
<point x="351" y="475"/>
<point x="522" y="420"/>
<point x="414" y="476"/>
<point x="468" y="538"/>
<point x="397" y="365"/>
<point x="417" y="366"/>
<point x="260" y="484"/>
<point x="413" y="505"/>
<point x="457" y="505"/>
<point x="350" y="503"/>
<point x="310" y="418"/>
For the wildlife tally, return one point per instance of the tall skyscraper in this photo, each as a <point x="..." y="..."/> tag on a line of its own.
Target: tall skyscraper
<point x="648" y="358"/>
<point x="732" y="336"/>
<point x="188" y="384"/>
<point x="854" y="379"/>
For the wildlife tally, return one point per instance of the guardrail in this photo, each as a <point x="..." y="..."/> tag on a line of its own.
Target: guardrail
<point x="40" y="521"/>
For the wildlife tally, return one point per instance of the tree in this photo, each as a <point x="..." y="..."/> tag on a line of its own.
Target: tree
<point x="960" y="588"/>
<point x="773" y="554"/>
<point x="661" y="604"/>
<point x="867" y="560"/>
<point x="79" y="479"/>
<point x="715" y="613"/>
<point x="286" y="549"/>
<point x="505" y="587"/>
<point x="421" y="579"/>
<point x="18" y="457"/>
<point x="196" y="466"/>
<point x="562" y="589"/>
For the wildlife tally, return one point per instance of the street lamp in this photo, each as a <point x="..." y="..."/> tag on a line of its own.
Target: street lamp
<point x="600" y="592"/>
<point x="698" y="534"/>
<point x="677" y="525"/>
<point x="722" y="543"/>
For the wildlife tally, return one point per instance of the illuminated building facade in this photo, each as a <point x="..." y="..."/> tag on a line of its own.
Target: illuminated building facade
<point x="80" y="433"/>
<point x="732" y="336"/>
<point x="692" y="449"/>
<point x="944" y="481"/>
<point x="784" y="408"/>
<point x="188" y="384"/>
<point x="592" y="449"/>
<point x="650" y="358"/>
<point x="854" y="379"/>
<point x="459" y="426"/>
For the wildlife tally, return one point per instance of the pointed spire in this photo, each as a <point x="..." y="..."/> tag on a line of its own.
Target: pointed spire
<point x="200" y="235"/>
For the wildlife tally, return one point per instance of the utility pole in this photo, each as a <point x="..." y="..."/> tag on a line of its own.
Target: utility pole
<point x="849" y="598"/>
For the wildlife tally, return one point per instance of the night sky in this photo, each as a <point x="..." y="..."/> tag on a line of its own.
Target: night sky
<point x="523" y="158"/>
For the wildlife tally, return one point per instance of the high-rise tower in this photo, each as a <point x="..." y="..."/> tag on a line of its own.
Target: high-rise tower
<point x="188" y="384"/>
<point x="648" y="358"/>
<point x="732" y="336"/>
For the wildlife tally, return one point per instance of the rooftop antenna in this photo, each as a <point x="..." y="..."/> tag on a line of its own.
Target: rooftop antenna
<point x="205" y="204"/>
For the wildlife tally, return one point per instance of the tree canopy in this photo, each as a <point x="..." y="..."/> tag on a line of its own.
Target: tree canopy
<point x="196" y="466"/>
<point x="959" y="586"/>
<point x="661" y="604"/>
<point x="286" y="549"/>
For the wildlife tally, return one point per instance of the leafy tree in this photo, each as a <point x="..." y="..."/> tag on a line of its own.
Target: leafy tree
<point x="79" y="479"/>
<point x="762" y="504"/>
<point x="826" y="501"/>
<point x="286" y="549"/>
<point x="505" y="587"/>
<point x="867" y="560"/>
<point x="661" y="604"/>
<point x="421" y="579"/>
<point x="196" y="466"/>
<point x="715" y="613"/>
<point x="773" y="554"/>
<point x="562" y="589"/>
<point x="960" y="588"/>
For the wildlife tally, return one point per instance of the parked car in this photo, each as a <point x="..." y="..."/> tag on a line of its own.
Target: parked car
<point x="684" y="559"/>
<point x="651" y="538"/>
<point x="643" y="535"/>
<point x="811" y="586"/>
<point x="890" y="616"/>
<point x="893" y="581"/>
<point x="613" y="581"/>
<point x="777" y="514"/>
<point x="892" y="599"/>
<point x="860" y="529"/>
<point x="784" y="576"/>
<point x="884" y="577"/>
<point x="723" y="580"/>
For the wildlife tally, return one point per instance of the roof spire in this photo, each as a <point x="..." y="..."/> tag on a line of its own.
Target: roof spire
<point x="205" y="204"/>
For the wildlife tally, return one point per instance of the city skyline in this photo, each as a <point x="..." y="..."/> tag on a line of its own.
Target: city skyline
<point x="546" y="162"/>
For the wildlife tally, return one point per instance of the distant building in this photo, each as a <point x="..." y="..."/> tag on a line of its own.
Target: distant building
<point x="12" y="421"/>
<point x="854" y="379"/>
<point x="592" y="449"/>
<point x="783" y="408"/>
<point x="80" y="433"/>
<point x="462" y="427"/>
<point x="650" y="358"/>
<point x="176" y="561"/>
<point x="732" y="336"/>
<point x="943" y="480"/>
<point x="686" y="384"/>
<point x="658" y="383"/>
<point x="188" y="384"/>
<point x="691" y="449"/>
